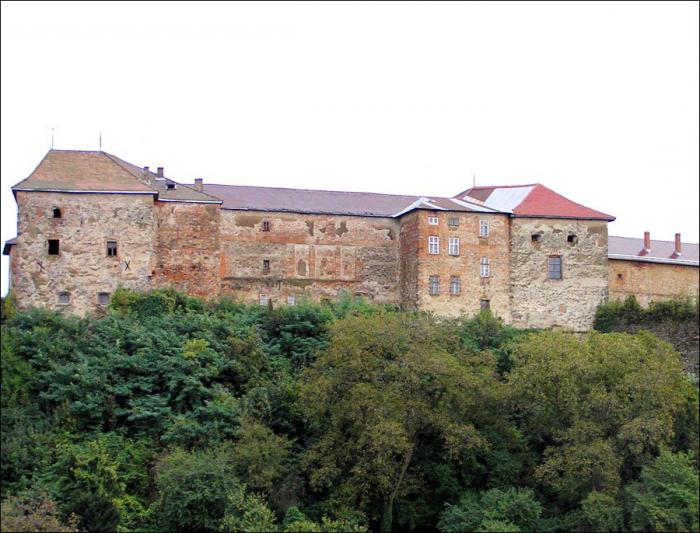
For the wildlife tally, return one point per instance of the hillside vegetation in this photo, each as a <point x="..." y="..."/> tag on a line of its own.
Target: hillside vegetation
<point x="171" y="413"/>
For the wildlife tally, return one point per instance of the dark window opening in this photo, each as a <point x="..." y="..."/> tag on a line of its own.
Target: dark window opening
<point x="619" y="276"/>
<point x="434" y="285"/>
<point x="554" y="267"/>
<point x="63" y="297"/>
<point x="103" y="298"/>
<point x="266" y="225"/>
<point x="572" y="239"/>
<point x="56" y="212"/>
<point x="485" y="305"/>
<point x="53" y="246"/>
<point x="170" y="185"/>
<point x="112" y="248"/>
<point x="266" y="266"/>
<point x="453" y="222"/>
<point x="536" y="237"/>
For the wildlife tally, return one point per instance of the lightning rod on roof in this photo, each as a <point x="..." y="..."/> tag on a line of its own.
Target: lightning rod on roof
<point x="52" y="138"/>
<point x="100" y="141"/>
<point x="473" y="179"/>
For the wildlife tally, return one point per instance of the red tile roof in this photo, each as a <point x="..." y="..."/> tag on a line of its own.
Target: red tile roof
<point x="533" y="200"/>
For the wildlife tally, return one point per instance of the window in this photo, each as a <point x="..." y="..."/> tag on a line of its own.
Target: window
<point x="103" y="298"/>
<point x="619" y="276"/>
<point x="170" y="185"/>
<point x="434" y="285"/>
<point x="483" y="228"/>
<point x="111" y="248"/>
<point x="266" y="266"/>
<point x="53" y="246"/>
<point x="453" y="222"/>
<point x="291" y="300"/>
<point x="266" y="225"/>
<point x="554" y="267"/>
<point x="433" y="245"/>
<point x="536" y="237"/>
<point x="455" y="286"/>
<point x="572" y="239"/>
<point x="56" y="212"/>
<point x="485" y="305"/>
<point x="485" y="267"/>
<point x="263" y="299"/>
<point x="433" y="221"/>
<point x="64" y="298"/>
<point x="453" y="246"/>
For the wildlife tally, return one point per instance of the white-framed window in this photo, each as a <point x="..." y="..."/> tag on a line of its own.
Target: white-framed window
<point x="485" y="269"/>
<point x="433" y="221"/>
<point x="455" y="286"/>
<point x="291" y="300"/>
<point x="263" y="299"/>
<point x="453" y="246"/>
<point x="434" y="285"/>
<point x="483" y="228"/>
<point x="433" y="245"/>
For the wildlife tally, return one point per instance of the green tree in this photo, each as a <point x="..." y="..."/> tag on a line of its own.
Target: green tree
<point x="386" y="384"/>
<point x="599" y="407"/>
<point x="602" y="512"/>
<point x="34" y="512"/>
<point x="666" y="496"/>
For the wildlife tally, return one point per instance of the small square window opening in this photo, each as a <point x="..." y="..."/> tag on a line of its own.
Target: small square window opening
<point x="64" y="298"/>
<point x="572" y="239"/>
<point x="266" y="266"/>
<point x="111" y="248"/>
<point x="536" y="237"/>
<point x="266" y="225"/>
<point x="485" y="305"/>
<point x="103" y="298"/>
<point x="291" y="300"/>
<point x="433" y="221"/>
<point x="53" y="246"/>
<point x="453" y="222"/>
<point x="263" y="299"/>
<point x="56" y="212"/>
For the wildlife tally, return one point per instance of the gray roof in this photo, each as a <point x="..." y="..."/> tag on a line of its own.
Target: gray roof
<point x="629" y="248"/>
<point x="251" y="198"/>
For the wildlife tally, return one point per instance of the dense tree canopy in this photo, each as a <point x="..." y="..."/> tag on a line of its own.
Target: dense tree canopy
<point x="171" y="413"/>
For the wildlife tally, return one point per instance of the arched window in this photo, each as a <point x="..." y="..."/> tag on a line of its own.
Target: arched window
<point x="56" y="212"/>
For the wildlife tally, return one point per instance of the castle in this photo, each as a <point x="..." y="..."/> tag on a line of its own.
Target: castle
<point x="90" y="222"/>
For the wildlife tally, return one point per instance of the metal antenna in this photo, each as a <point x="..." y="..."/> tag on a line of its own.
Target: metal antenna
<point x="100" y="141"/>
<point x="52" y="138"/>
<point x="473" y="179"/>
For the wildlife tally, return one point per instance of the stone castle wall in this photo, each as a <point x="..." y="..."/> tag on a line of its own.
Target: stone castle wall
<point x="536" y="300"/>
<point x="187" y="247"/>
<point x="314" y="256"/>
<point x="82" y="268"/>
<point x="465" y="266"/>
<point x="651" y="281"/>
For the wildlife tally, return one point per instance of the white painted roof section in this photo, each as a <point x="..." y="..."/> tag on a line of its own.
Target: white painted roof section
<point x="473" y="204"/>
<point x="433" y="206"/>
<point x="411" y="206"/>
<point x="507" y="198"/>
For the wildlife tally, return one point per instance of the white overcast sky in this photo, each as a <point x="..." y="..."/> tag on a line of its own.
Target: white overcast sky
<point x="598" y="101"/>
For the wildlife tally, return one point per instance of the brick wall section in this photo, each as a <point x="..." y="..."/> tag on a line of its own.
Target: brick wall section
<point x="537" y="301"/>
<point x="466" y="266"/>
<point x="314" y="256"/>
<point x="651" y="281"/>
<point x="82" y="267"/>
<point x="408" y="252"/>
<point x="187" y="247"/>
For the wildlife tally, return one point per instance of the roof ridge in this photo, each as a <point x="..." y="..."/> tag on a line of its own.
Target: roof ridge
<point x="319" y="190"/>
<point x="118" y="161"/>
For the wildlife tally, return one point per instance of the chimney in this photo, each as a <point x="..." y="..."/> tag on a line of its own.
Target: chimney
<point x="647" y="244"/>
<point x="145" y="170"/>
<point x="160" y="172"/>
<point x="677" y="251"/>
<point x="199" y="184"/>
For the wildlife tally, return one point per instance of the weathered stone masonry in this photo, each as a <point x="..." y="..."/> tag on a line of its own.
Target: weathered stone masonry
<point x="120" y="225"/>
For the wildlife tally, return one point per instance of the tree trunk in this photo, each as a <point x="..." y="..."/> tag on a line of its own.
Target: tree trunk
<point x="388" y="507"/>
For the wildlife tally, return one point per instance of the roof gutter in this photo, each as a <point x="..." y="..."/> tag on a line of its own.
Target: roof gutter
<point x="647" y="259"/>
